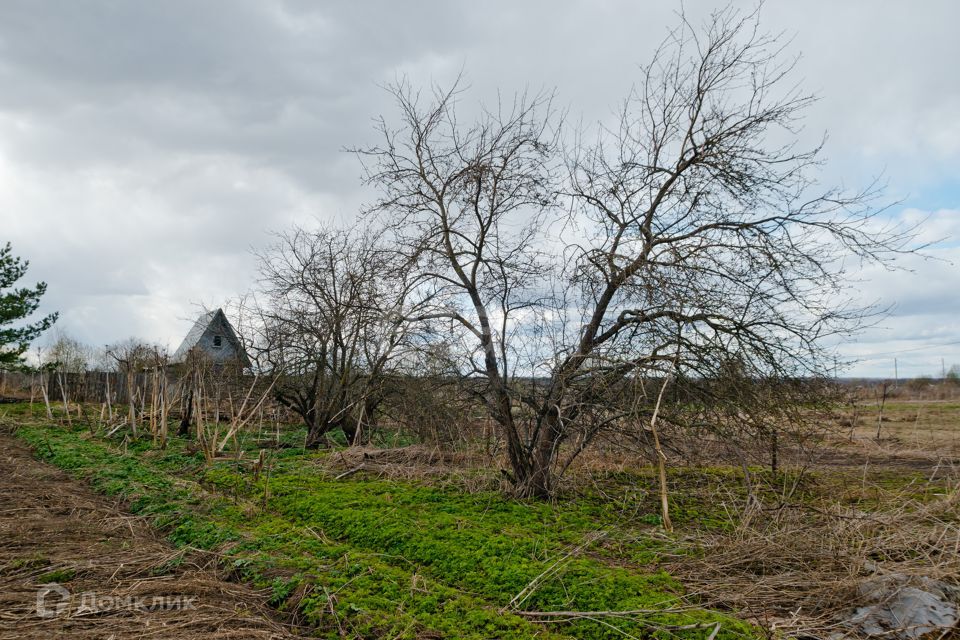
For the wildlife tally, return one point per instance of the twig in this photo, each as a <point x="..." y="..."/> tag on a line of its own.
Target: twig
<point x="534" y="584"/>
<point x="350" y="472"/>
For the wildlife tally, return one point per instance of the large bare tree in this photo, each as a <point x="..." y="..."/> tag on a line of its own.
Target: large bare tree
<point x="691" y="242"/>
<point x="467" y="204"/>
<point x="327" y="325"/>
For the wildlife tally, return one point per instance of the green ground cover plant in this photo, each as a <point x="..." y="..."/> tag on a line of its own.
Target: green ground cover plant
<point x="383" y="558"/>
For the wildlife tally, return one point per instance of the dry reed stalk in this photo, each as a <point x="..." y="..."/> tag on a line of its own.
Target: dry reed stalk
<point x="799" y="568"/>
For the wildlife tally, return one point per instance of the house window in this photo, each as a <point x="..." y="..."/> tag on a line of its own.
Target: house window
<point x="218" y="341"/>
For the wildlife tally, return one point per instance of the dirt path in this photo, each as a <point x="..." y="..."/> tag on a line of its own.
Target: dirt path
<point x="116" y="578"/>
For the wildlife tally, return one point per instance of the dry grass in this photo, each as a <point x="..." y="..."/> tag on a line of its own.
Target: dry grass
<point x="469" y="470"/>
<point x="795" y="568"/>
<point x="55" y="530"/>
<point x="909" y="426"/>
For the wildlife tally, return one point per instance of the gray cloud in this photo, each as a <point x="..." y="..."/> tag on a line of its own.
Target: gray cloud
<point x="146" y="147"/>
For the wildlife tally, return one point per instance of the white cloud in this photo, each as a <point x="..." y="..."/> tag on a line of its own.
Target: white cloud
<point x="921" y="328"/>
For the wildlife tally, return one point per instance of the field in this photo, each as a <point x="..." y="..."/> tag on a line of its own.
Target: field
<point x="925" y="428"/>
<point x="412" y="542"/>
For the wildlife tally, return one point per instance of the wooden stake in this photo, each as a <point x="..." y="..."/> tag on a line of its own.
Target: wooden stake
<point x="109" y="405"/>
<point x="661" y="458"/>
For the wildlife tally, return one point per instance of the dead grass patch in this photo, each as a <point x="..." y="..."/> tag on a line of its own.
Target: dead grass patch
<point x="796" y="567"/>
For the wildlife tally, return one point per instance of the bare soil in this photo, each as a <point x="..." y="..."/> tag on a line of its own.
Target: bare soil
<point x="123" y="580"/>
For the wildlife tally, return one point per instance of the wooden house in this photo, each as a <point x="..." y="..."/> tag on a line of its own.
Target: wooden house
<point x="213" y="334"/>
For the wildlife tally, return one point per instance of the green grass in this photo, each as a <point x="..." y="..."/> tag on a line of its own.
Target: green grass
<point x="59" y="575"/>
<point x="375" y="558"/>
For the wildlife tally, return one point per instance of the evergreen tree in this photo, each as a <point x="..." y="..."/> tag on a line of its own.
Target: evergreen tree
<point x="17" y="304"/>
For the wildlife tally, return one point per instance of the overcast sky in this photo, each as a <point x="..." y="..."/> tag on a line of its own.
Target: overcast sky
<point x="147" y="147"/>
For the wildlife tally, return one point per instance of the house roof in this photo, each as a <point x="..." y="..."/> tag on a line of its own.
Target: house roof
<point x="211" y="322"/>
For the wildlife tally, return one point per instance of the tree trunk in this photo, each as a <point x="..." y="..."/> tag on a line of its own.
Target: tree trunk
<point x="774" y="451"/>
<point x="316" y="429"/>
<point x="518" y="453"/>
<point x="44" y="382"/>
<point x="184" y="430"/>
<point x="540" y="481"/>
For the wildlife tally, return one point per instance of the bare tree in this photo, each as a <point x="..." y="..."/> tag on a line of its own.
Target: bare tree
<point x="696" y="243"/>
<point x="132" y="358"/>
<point x="427" y="397"/>
<point x="468" y="202"/>
<point x="328" y="325"/>
<point x="71" y="355"/>
<point x="70" y="359"/>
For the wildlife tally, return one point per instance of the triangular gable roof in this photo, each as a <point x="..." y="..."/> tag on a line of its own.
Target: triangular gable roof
<point x="193" y="336"/>
<point x="214" y="322"/>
